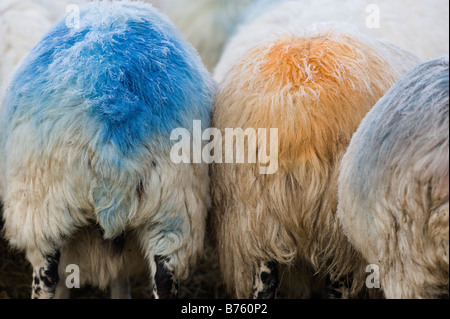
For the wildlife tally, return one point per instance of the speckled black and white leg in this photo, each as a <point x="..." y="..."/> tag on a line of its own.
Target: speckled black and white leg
<point x="46" y="277"/>
<point x="338" y="289"/>
<point x="266" y="281"/>
<point x="165" y="284"/>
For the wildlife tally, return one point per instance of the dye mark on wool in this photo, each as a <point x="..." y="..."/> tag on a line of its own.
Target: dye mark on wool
<point x="230" y="146"/>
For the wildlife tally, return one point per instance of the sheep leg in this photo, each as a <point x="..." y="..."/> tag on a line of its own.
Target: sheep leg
<point x="165" y="285"/>
<point x="266" y="281"/>
<point x="46" y="277"/>
<point x="339" y="289"/>
<point x="120" y="288"/>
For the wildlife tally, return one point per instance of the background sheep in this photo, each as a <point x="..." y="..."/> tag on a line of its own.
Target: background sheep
<point x="315" y="85"/>
<point x="85" y="133"/>
<point x="394" y="185"/>
<point x="420" y="26"/>
<point x="207" y="24"/>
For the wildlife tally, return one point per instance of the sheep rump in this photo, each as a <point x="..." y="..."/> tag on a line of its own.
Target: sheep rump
<point x="394" y="185"/>
<point x="85" y="137"/>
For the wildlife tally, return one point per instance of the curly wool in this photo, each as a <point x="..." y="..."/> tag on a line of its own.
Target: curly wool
<point x="394" y="185"/>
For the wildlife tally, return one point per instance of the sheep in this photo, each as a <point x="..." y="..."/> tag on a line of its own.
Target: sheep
<point x="207" y="24"/>
<point x="85" y="141"/>
<point x="394" y="185"/>
<point x="401" y="22"/>
<point x="314" y="85"/>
